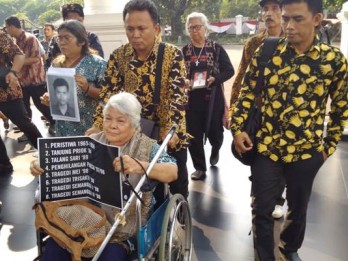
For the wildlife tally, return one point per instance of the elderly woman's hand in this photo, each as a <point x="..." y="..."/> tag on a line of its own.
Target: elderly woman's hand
<point x="188" y="84"/>
<point x="210" y="80"/>
<point x="45" y="99"/>
<point x="82" y="83"/>
<point x="35" y="168"/>
<point x="130" y="166"/>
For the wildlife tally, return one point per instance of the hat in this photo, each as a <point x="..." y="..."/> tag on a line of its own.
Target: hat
<point x="263" y="2"/>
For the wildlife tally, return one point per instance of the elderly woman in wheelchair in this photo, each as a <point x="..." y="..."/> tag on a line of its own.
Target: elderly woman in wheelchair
<point x="121" y="127"/>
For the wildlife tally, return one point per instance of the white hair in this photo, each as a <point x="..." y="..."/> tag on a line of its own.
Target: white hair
<point x="127" y="104"/>
<point x="200" y="16"/>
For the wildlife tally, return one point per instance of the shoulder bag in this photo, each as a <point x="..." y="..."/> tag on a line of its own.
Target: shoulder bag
<point x="253" y="123"/>
<point x="149" y="127"/>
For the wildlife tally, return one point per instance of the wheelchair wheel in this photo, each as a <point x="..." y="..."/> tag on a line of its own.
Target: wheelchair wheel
<point x="176" y="234"/>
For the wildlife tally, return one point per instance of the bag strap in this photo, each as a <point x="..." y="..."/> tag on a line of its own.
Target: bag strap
<point x="268" y="49"/>
<point x="158" y="80"/>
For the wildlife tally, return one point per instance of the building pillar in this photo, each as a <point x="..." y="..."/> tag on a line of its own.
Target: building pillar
<point x="343" y="17"/>
<point x="239" y="24"/>
<point x="104" y="18"/>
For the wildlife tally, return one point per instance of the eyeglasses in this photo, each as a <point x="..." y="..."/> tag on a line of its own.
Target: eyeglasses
<point x="195" y="28"/>
<point x="66" y="38"/>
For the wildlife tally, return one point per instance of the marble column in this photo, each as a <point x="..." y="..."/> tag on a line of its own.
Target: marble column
<point x="104" y="18"/>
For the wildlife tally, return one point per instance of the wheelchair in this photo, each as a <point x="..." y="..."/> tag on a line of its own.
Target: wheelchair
<point x="166" y="236"/>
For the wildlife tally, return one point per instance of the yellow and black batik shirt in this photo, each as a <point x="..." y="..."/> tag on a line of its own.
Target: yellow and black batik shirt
<point x="295" y="93"/>
<point x="125" y="72"/>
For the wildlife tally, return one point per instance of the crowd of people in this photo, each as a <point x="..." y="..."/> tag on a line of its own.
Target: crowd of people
<point x="290" y="147"/>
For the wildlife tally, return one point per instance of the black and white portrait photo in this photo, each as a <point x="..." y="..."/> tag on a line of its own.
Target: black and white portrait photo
<point x="63" y="96"/>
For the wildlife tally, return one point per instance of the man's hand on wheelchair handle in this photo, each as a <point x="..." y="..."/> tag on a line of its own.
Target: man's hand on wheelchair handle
<point x="242" y="142"/>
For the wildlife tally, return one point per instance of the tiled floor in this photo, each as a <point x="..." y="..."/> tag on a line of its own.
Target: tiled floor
<point x="220" y="207"/>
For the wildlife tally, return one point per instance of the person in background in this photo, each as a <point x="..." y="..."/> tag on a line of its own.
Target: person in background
<point x="90" y="67"/>
<point x="50" y="39"/>
<point x="301" y="76"/>
<point x="121" y="128"/>
<point x="202" y="54"/>
<point x="32" y="76"/>
<point x="75" y="12"/>
<point x="132" y="68"/>
<point x="271" y="15"/>
<point x="11" y="98"/>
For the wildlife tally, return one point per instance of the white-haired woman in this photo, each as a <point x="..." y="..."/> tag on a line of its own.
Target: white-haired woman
<point x="121" y="127"/>
<point x="208" y="57"/>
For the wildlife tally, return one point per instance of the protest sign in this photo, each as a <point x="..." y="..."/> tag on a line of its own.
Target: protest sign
<point x="79" y="167"/>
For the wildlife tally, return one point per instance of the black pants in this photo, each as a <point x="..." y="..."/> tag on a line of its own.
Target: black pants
<point x="181" y="184"/>
<point x="299" y="177"/>
<point x="16" y="112"/>
<point x="35" y="92"/>
<point x="4" y="159"/>
<point x="196" y="125"/>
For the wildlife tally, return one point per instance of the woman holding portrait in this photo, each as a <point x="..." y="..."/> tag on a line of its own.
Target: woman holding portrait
<point x="121" y="127"/>
<point x="204" y="57"/>
<point x="75" y="53"/>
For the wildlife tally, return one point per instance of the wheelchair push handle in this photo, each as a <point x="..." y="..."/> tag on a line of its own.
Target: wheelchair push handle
<point x="137" y="189"/>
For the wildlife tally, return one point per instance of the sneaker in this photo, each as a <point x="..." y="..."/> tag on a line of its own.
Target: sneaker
<point x="214" y="157"/>
<point x="198" y="175"/>
<point x="22" y="138"/>
<point x="16" y="129"/>
<point x="277" y="212"/>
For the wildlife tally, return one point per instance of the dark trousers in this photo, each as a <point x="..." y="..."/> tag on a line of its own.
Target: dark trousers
<point x="112" y="252"/>
<point x="181" y="184"/>
<point x="4" y="159"/>
<point x="196" y="125"/>
<point x="16" y="112"/>
<point x="267" y="175"/>
<point x="35" y="92"/>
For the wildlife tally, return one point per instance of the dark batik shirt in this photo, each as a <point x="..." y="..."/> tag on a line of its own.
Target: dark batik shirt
<point x="127" y="73"/>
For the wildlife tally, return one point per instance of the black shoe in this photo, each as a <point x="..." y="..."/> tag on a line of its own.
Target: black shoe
<point x="198" y="175"/>
<point x="52" y="129"/>
<point x="289" y="256"/>
<point x="214" y="157"/>
<point x="6" y="169"/>
<point x="22" y="138"/>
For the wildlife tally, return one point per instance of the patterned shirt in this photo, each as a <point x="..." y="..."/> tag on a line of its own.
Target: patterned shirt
<point x="126" y="73"/>
<point x="33" y="74"/>
<point x="8" y="50"/>
<point x="249" y="50"/>
<point x="294" y="102"/>
<point x="92" y="67"/>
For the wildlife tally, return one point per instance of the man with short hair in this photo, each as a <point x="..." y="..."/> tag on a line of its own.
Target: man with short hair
<point x="32" y="76"/>
<point x="271" y="15"/>
<point x="132" y="68"/>
<point x="302" y="74"/>
<point x="75" y="11"/>
<point x="48" y="43"/>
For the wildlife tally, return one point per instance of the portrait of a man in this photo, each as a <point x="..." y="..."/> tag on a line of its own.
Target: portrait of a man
<point x="61" y="91"/>
<point x="199" y="79"/>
